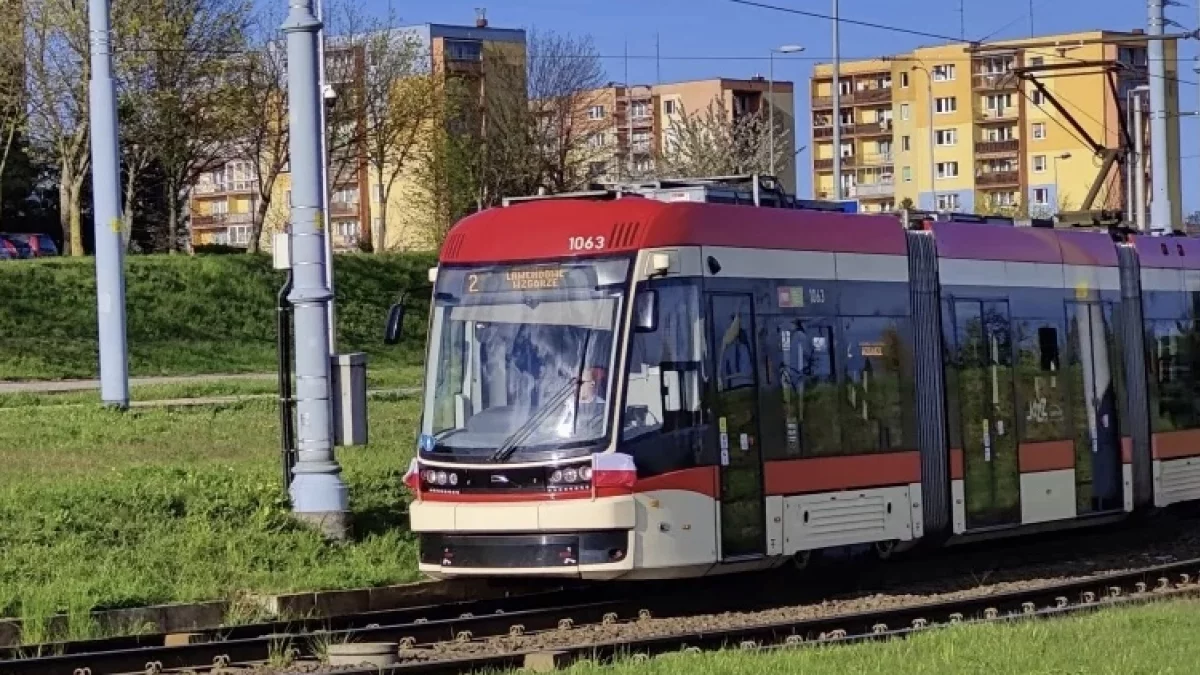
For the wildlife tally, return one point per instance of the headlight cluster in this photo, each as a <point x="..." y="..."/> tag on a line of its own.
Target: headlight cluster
<point x="440" y="478"/>
<point x="571" y="476"/>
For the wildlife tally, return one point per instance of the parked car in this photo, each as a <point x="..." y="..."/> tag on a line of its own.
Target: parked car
<point x="27" y="245"/>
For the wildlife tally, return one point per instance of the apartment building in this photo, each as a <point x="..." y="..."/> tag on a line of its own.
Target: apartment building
<point x="955" y="130"/>
<point x="224" y="200"/>
<point x="628" y="126"/>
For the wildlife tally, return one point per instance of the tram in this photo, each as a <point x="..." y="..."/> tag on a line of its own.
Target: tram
<point x="701" y="377"/>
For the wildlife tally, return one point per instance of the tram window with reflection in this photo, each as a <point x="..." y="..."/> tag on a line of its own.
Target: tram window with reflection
<point x="662" y="420"/>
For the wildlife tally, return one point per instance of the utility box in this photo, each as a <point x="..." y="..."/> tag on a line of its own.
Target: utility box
<point x="281" y="250"/>
<point x="349" y="390"/>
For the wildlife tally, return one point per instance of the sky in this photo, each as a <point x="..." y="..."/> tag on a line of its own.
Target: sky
<point x="714" y="38"/>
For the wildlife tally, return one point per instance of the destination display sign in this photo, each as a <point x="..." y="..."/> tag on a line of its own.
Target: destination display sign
<point x="535" y="278"/>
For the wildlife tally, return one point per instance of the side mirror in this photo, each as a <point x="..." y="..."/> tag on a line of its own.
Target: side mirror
<point x="395" y="324"/>
<point x="645" y="312"/>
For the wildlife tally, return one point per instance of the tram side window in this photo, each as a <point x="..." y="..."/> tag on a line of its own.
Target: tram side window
<point x="1040" y="386"/>
<point x="801" y="353"/>
<point x="876" y="384"/>
<point x="1174" y="368"/>
<point x="663" y="383"/>
<point x="454" y="347"/>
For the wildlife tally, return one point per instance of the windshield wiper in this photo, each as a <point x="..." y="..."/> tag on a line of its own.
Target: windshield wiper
<point x="510" y="444"/>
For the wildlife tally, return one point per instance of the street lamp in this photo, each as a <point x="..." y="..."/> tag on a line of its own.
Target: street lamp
<point x="1065" y="155"/>
<point x="932" y="163"/>
<point x="785" y="49"/>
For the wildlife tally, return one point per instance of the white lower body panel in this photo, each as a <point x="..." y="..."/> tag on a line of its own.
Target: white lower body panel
<point x="833" y="519"/>
<point x="1047" y="496"/>
<point x="1176" y="480"/>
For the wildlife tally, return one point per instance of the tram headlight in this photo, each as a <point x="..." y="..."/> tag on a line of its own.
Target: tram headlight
<point x="453" y="478"/>
<point x="571" y="476"/>
<point x="441" y="477"/>
<point x="430" y="476"/>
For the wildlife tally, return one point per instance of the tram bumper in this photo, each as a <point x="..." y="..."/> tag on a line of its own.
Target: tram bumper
<point x="583" y="538"/>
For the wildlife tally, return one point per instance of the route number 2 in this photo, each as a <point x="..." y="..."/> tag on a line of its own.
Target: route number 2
<point x="585" y="243"/>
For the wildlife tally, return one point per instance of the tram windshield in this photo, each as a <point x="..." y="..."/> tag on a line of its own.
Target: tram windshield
<point x="521" y="360"/>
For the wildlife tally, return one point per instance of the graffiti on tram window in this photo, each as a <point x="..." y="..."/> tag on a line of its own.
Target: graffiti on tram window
<point x="808" y="386"/>
<point x="1041" y="386"/>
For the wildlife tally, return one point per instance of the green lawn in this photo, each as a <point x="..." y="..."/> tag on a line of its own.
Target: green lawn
<point x="101" y="509"/>
<point x="1156" y="639"/>
<point x="394" y="377"/>
<point x="190" y="315"/>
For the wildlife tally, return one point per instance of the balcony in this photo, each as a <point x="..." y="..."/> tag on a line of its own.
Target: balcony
<point x="998" y="114"/>
<point x="873" y="129"/>
<point x="216" y="220"/>
<point x="1005" y="81"/>
<point x="880" y="189"/>
<point x="342" y="209"/>
<point x="869" y="96"/>
<point x="819" y="102"/>
<point x="998" y="178"/>
<point x="1009" y="147"/>
<point x="227" y="187"/>
<point x="876" y="159"/>
<point x="827" y="164"/>
<point x="827" y="132"/>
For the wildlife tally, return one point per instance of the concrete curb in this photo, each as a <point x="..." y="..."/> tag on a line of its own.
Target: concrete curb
<point x="181" y="618"/>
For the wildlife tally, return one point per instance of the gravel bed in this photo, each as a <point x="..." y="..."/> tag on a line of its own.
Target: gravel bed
<point x="893" y="585"/>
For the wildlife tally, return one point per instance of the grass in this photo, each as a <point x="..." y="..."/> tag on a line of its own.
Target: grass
<point x="100" y="509"/>
<point x="1155" y="638"/>
<point x="394" y="377"/>
<point x="190" y="315"/>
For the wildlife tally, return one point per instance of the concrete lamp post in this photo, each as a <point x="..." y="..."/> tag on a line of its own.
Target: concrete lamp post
<point x="785" y="49"/>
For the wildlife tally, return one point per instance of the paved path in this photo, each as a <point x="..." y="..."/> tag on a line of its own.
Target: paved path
<point x="56" y="386"/>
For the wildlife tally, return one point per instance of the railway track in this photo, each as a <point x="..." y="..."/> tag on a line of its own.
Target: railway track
<point x="454" y="632"/>
<point x="1173" y="581"/>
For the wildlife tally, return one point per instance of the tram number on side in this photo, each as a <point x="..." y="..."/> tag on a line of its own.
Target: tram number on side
<point x="585" y="243"/>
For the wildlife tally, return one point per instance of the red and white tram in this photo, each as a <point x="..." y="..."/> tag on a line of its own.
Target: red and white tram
<point x="644" y="384"/>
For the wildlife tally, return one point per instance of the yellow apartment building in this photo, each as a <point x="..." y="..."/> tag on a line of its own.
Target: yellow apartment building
<point x="957" y="130"/>
<point x="224" y="200"/>
<point x="628" y="126"/>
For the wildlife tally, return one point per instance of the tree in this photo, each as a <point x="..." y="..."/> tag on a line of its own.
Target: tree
<point x="13" y="104"/>
<point x="715" y="143"/>
<point x="56" y="59"/>
<point x="183" y="61"/>
<point x="261" y="115"/>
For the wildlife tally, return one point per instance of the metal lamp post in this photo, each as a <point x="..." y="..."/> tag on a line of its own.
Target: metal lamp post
<point x="785" y="49"/>
<point x="932" y="163"/>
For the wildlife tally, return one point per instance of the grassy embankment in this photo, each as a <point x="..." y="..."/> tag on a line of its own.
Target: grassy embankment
<point x="1158" y="639"/>
<point x="104" y="509"/>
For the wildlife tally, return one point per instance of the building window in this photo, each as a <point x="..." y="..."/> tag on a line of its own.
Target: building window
<point x="999" y="134"/>
<point x="998" y="101"/>
<point x="638" y="110"/>
<point x="945" y="137"/>
<point x="1039" y="163"/>
<point x="379" y="193"/>
<point x="947" y="169"/>
<point x="943" y="73"/>
<point x="596" y="112"/>
<point x="288" y="198"/>
<point x="906" y="173"/>
<point x="1037" y="97"/>
<point x="947" y="202"/>
<point x="945" y="105"/>
<point x="347" y="229"/>
<point x="905" y="143"/>
<point x="464" y="50"/>
<point x="1041" y="196"/>
<point x="904" y="80"/>
<point x="596" y="140"/>
<point x="596" y="169"/>
<point x="1036" y="61"/>
<point x="845" y="87"/>
<point x="903" y="111"/>
<point x="669" y="107"/>
<point x="239" y="235"/>
<point x="847" y="149"/>
<point x="1039" y="130"/>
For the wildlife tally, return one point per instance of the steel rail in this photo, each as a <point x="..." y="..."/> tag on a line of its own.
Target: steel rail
<point x="1103" y="591"/>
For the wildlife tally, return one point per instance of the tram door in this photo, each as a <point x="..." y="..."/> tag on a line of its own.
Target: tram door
<point x="742" y="518"/>
<point x="992" y="478"/>
<point x="1095" y="370"/>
